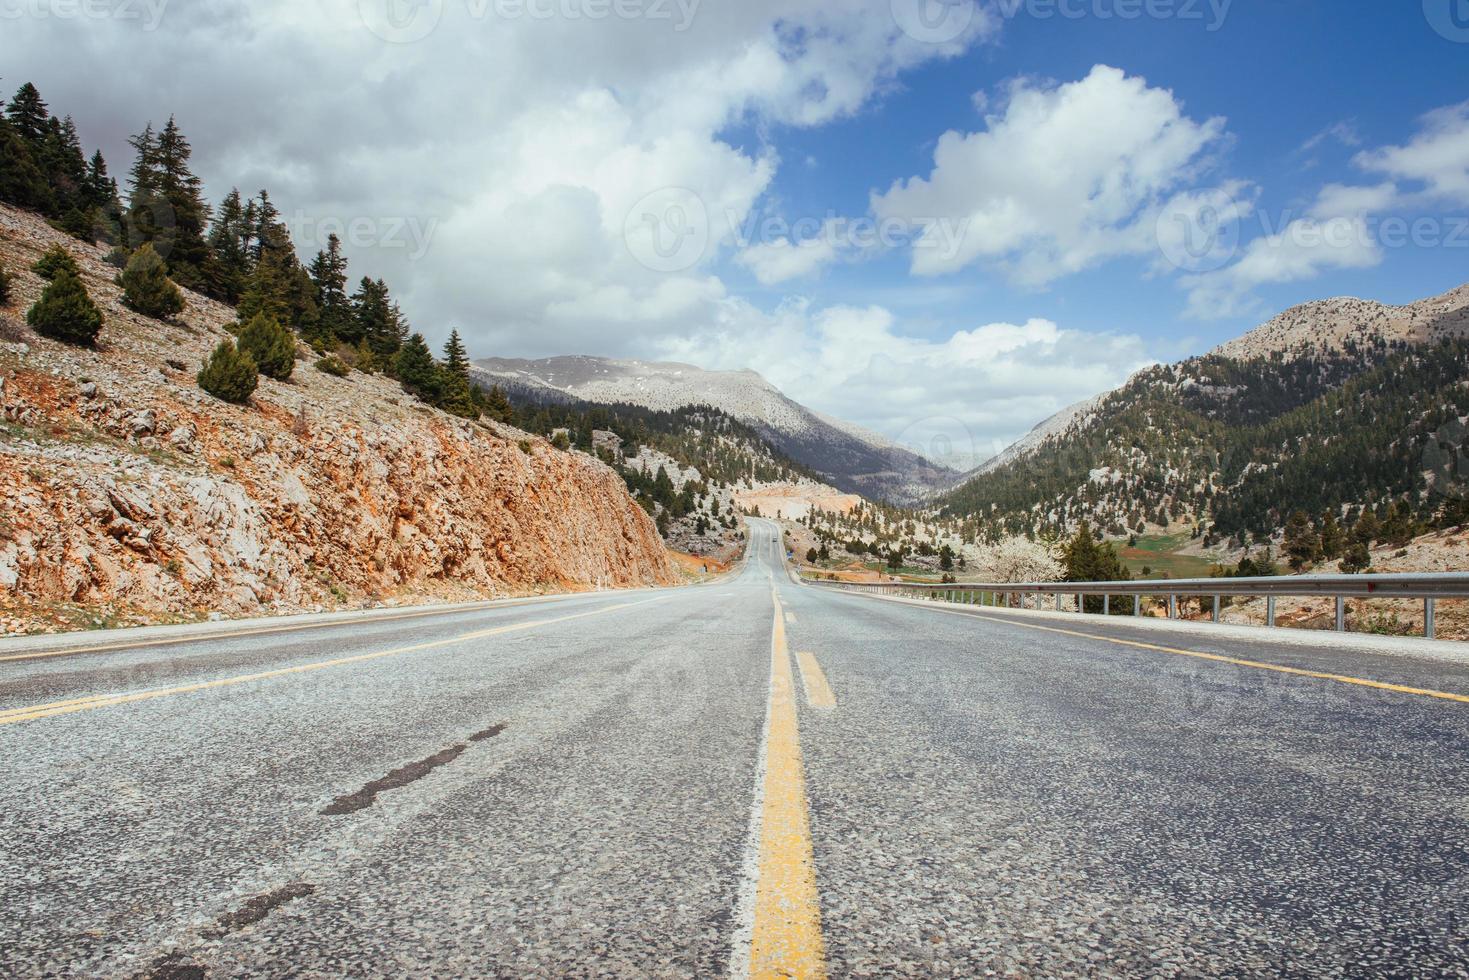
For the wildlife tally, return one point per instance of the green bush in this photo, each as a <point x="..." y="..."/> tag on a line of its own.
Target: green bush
<point x="270" y="345"/>
<point x="146" y="288"/>
<point x="65" y="312"/>
<point x="56" y="261"/>
<point x="331" y="364"/>
<point x="117" y="257"/>
<point x="4" y="285"/>
<point x="230" y="374"/>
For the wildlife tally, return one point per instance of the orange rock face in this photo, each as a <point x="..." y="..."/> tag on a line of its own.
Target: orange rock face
<point x="125" y="488"/>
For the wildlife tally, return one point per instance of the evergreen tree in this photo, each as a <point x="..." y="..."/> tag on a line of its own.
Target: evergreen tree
<point x="380" y="323"/>
<point x="65" y="312"/>
<point x="146" y="288"/>
<point x="182" y="193"/>
<point x="458" y="391"/>
<point x="55" y="261"/>
<point x="104" y="209"/>
<point x="1367" y="529"/>
<point x="497" y="406"/>
<point x="1302" y="543"/>
<point x="417" y="372"/>
<point x="28" y="114"/>
<point x="229" y="374"/>
<point x="1398" y="528"/>
<point x="1357" y="558"/>
<point x="270" y="345"/>
<point x="22" y="182"/>
<point x="147" y="217"/>
<point x="228" y="268"/>
<point x="337" y="320"/>
<point x="1333" y="539"/>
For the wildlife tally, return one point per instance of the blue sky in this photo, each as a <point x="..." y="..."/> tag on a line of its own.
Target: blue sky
<point x="1075" y="197"/>
<point x="1281" y="73"/>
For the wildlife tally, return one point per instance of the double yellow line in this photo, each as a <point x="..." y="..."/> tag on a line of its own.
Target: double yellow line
<point x="37" y="711"/>
<point x="785" y="938"/>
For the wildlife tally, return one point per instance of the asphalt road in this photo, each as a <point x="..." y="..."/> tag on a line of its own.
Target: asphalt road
<point x="747" y="777"/>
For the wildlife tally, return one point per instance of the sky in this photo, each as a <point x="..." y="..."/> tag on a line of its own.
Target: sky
<point x="943" y="220"/>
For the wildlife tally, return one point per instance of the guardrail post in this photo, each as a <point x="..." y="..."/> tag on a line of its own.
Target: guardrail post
<point x="1270" y="611"/>
<point x="1137" y="605"/>
<point x="1107" y="604"/>
<point x="1341" y="614"/>
<point x="1428" y="613"/>
<point x="1216" y="608"/>
<point x="1173" y="607"/>
<point x="1058" y="602"/>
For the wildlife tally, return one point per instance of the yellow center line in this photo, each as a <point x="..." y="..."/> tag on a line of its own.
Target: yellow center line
<point x="1221" y="658"/>
<point x="36" y="711"/>
<point x="258" y="631"/>
<point x="818" y="691"/>
<point x="786" y="938"/>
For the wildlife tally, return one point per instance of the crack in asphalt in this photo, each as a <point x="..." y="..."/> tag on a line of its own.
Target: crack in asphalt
<point x="175" y="966"/>
<point x="404" y="775"/>
<point x="257" y="908"/>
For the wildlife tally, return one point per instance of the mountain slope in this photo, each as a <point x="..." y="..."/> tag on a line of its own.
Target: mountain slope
<point x="132" y="495"/>
<point x="1331" y="405"/>
<point x="843" y="454"/>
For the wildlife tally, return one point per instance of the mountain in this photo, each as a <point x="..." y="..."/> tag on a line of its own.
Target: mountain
<point x="844" y="455"/>
<point x="1338" y="405"/>
<point x="132" y="496"/>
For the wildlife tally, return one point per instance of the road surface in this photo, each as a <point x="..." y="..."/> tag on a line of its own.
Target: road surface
<point x="750" y="777"/>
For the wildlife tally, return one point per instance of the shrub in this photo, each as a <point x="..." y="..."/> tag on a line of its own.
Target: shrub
<point x="270" y="345"/>
<point x="117" y="257"/>
<point x="65" y="312"/>
<point x="4" y="285"/>
<point x="230" y="374"/>
<point x="56" y="261"/>
<point x="331" y="364"/>
<point x="146" y="288"/>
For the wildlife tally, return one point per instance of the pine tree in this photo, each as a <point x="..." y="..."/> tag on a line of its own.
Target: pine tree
<point x="146" y="288"/>
<point x="1302" y="543"/>
<point x="147" y="217"/>
<point x="1333" y="539"/>
<point x="104" y="209"/>
<point x="54" y="262"/>
<point x="28" y="114"/>
<point x="228" y="268"/>
<point x="329" y="278"/>
<point x="229" y="374"/>
<point x="417" y="372"/>
<point x="379" y="322"/>
<point x="458" y="391"/>
<point x="21" y="181"/>
<point x="1368" y="529"/>
<point x="270" y="345"/>
<point x="1357" y="559"/>
<point x="182" y="192"/>
<point x="65" y="312"/>
<point x="497" y="405"/>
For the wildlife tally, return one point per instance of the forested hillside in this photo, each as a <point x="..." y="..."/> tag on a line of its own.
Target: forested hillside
<point x="1236" y="447"/>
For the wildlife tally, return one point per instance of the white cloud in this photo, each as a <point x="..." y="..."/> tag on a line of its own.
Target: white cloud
<point x="1065" y="178"/>
<point x="1437" y="156"/>
<point x="1339" y="230"/>
<point x="967" y="395"/>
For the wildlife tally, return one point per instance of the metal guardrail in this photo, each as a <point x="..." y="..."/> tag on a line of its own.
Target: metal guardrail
<point x="1425" y="587"/>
